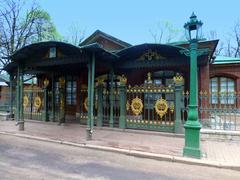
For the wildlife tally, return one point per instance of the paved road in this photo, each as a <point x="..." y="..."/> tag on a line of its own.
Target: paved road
<point x="29" y="159"/>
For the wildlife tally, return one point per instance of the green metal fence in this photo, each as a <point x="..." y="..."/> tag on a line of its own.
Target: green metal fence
<point x="5" y="101"/>
<point x="33" y="103"/>
<point x="217" y="111"/>
<point x="151" y="107"/>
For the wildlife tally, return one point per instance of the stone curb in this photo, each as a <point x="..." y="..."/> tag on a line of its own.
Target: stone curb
<point x="141" y="154"/>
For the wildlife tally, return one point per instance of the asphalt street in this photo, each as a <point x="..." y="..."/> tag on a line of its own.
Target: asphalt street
<point x="30" y="159"/>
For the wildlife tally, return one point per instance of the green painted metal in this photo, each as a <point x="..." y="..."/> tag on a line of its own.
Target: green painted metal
<point x="92" y="92"/>
<point x="46" y="117"/>
<point x="53" y="99"/>
<point x="149" y="119"/>
<point x="111" y="120"/>
<point x="91" y="75"/>
<point x="31" y="111"/>
<point x="18" y="95"/>
<point x="192" y="125"/>
<point x="20" y="117"/>
<point x="123" y="99"/>
<point x="226" y="60"/>
<point x="11" y="95"/>
<point x="89" y="100"/>
<point x="178" y="127"/>
<point x="100" y="105"/>
<point x="162" y="128"/>
<point x="219" y="110"/>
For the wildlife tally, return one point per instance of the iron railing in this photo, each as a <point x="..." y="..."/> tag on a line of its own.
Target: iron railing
<point x="217" y="111"/>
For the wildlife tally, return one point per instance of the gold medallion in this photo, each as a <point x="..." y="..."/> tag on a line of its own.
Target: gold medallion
<point x="161" y="107"/>
<point x="25" y="101"/>
<point x="136" y="106"/>
<point x="37" y="102"/>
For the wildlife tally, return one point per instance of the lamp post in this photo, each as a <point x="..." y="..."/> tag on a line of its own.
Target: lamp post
<point x="192" y="125"/>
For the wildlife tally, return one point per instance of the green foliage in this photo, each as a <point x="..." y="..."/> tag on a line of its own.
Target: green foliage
<point x="43" y="26"/>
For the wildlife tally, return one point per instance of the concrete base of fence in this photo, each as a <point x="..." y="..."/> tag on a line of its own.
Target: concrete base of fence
<point x="220" y="135"/>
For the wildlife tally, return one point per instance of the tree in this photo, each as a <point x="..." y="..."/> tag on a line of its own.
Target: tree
<point x="231" y="45"/>
<point x="20" y="27"/>
<point x="165" y="33"/>
<point x="76" y="35"/>
<point x="233" y="42"/>
<point x="212" y="35"/>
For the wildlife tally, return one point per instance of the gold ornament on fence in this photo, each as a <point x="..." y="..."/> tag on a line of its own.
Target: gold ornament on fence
<point x="123" y="79"/>
<point x="100" y="80"/>
<point x="37" y="102"/>
<point x="62" y="103"/>
<point x="136" y="106"/>
<point x="161" y="107"/>
<point x="172" y="107"/>
<point x="25" y="101"/>
<point x="178" y="79"/>
<point x="86" y="103"/>
<point x="46" y="82"/>
<point x="127" y="106"/>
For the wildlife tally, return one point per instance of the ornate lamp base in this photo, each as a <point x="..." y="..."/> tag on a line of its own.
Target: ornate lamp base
<point x="192" y="140"/>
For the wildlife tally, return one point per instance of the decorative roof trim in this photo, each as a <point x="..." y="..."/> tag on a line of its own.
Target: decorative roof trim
<point x="99" y="33"/>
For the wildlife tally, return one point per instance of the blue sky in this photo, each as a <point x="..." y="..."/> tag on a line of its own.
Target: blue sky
<point x="131" y="20"/>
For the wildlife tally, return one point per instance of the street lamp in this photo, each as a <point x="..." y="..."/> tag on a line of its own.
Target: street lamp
<point x="192" y="125"/>
<point x="193" y="28"/>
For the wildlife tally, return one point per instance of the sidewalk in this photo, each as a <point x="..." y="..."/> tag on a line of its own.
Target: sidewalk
<point x="163" y="146"/>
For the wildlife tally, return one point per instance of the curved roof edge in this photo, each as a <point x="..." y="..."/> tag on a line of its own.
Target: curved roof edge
<point x="43" y="44"/>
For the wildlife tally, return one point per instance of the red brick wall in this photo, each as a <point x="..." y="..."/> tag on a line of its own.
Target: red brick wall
<point x="204" y="78"/>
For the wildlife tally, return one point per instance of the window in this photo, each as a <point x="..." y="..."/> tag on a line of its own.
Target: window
<point x="71" y="91"/>
<point x="222" y="90"/>
<point x="52" y="52"/>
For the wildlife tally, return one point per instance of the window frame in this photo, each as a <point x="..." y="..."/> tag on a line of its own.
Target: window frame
<point x="71" y="91"/>
<point x="221" y="97"/>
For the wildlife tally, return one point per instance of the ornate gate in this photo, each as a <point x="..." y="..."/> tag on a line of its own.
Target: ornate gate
<point x="150" y="106"/>
<point x="33" y="104"/>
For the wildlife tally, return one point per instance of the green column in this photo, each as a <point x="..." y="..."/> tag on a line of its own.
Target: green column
<point x="91" y="75"/>
<point x="178" y="127"/>
<point x="20" y="117"/>
<point x="192" y="126"/>
<point x="100" y="105"/>
<point x="111" y="120"/>
<point x="123" y="99"/>
<point x="89" y="133"/>
<point x="11" y="97"/>
<point x="53" y="99"/>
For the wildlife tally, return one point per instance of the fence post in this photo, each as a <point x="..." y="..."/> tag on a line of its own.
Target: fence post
<point x="46" y="82"/>
<point x="178" y="126"/>
<point x="123" y="99"/>
<point x="100" y="104"/>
